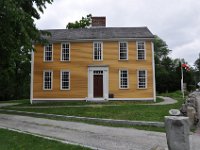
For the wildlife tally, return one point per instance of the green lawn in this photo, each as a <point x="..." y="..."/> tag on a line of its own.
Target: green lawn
<point x="11" y="140"/>
<point x="112" y="110"/>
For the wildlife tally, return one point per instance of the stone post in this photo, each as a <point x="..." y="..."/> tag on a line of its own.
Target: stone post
<point x="177" y="132"/>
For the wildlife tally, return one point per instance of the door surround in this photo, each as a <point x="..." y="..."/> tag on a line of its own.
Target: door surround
<point x="91" y="70"/>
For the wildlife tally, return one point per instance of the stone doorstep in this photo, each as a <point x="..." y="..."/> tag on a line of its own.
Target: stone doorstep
<point x="113" y="121"/>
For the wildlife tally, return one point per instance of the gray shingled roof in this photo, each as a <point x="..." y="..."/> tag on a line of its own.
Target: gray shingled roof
<point x="106" y="33"/>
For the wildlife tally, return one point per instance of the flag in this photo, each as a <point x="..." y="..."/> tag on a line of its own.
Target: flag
<point x="187" y="68"/>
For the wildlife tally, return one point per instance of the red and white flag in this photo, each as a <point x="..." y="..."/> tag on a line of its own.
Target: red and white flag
<point x="187" y="68"/>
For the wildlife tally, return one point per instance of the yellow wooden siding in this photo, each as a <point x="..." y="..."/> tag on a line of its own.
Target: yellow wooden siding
<point x="82" y="56"/>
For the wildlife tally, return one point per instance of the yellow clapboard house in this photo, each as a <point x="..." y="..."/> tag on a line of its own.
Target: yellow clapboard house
<point x="96" y="63"/>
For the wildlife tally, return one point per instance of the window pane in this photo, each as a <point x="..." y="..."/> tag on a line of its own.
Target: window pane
<point x="65" y="80"/>
<point x="123" y="79"/>
<point x="65" y="52"/>
<point x="48" y="52"/>
<point x="97" y="55"/>
<point x="142" y="79"/>
<point x="141" y="50"/>
<point x="47" y="80"/>
<point x="123" y="50"/>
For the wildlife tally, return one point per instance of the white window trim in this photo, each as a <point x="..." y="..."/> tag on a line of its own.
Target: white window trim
<point x="51" y="80"/>
<point x="144" y="50"/>
<point x="120" y="79"/>
<point x="44" y="54"/>
<point x="61" y="80"/>
<point x="61" y="52"/>
<point x="126" y="50"/>
<point x="146" y="77"/>
<point x="101" y="51"/>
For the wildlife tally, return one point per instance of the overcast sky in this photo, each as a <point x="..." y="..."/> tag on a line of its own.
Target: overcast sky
<point x="176" y="21"/>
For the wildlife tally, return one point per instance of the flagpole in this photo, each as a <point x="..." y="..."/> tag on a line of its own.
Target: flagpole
<point x="182" y="89"/>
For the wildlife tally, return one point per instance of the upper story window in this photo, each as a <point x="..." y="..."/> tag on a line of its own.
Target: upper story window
<point x="65" y="52"/>
<point x="97" y="51"/>
<point x="48" y="52"/>
<point x="142" y="79"/>
<point x="65" y="80"/>
<point x="141" y="52"/>
<point x="123" y="51"/>
<point x="123" y="79"/>
<point x="47" y="79"/>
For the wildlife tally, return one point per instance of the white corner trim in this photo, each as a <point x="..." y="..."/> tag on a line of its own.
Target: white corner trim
<point x="153" y="67"/>
<point x="32" y="76"/>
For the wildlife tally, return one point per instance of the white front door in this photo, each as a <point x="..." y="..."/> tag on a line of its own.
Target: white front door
<point x="97" y="83"/>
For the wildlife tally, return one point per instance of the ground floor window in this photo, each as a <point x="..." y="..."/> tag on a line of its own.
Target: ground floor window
<point x="47" y="79"/>
<point x="65" y="80"/>
<point x="142" y="79"/>
<point x="123" y="79"/>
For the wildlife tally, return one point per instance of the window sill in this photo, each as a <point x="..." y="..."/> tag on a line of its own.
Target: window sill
<point x="65" y="89"/>
<point x="48" y="61"/>
<point x="124" y="88"/>
<point x="47" y="89"/>
<point x="123" y="60"/>
<point x="65" y="61"/>
<point x="141" y="88"/>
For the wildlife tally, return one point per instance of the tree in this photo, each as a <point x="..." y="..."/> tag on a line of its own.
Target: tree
<point x="83" y="23"/>
<point x="161" y="49"/>
<point x="17" y="33"/>
<point x="197" y="70"/>
<point x="197" y="64"/>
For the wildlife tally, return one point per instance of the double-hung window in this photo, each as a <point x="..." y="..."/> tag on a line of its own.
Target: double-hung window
<point x="65" y="52"/>
<point x="123" y="79"/>
<point x="65" y="80"/>
<point x="48" y="52"/>
<point x="98" y="51"/>
<point x="141" y="52"/>
<point x="142" y="79"/>
<point x="123" y="51"/>
<point x="47" y="79"/>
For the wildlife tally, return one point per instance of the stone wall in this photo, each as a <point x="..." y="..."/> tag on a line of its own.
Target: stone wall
<point x="191" y="108"/>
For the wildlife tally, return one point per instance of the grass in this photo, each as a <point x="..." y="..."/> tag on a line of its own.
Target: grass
<point x="11" y="140"/>
<point x="112" y="110"/>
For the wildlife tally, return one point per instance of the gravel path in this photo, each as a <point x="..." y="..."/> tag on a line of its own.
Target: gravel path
<point x="97" y="137"/>
<point x="8" y="104"/>
<point x="167" y="100"/>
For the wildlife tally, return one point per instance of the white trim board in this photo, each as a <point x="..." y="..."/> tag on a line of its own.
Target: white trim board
<point x="91" y="70"/>
<point x="131" y="99"/>
<point x="111" y="99"/>
<point x="32" y="76"/>
<point x="153" y="67"/>
<point x="58" y="99"/>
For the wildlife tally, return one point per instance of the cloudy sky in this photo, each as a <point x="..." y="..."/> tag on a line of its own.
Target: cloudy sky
<point x="176" y="21"/>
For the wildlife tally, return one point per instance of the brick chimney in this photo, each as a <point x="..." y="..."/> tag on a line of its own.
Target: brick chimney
<point x="98" y="21"/>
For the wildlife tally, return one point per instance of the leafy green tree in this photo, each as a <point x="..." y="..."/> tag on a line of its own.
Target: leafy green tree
<point x="197" y="64"/>
<point x="197" y="70"/>
<point x="83" y="23"/>
<point x="161" y="49"/>
<point x="17" y="33"/>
